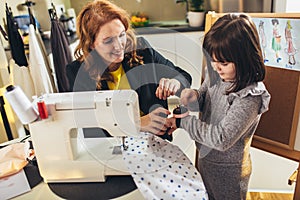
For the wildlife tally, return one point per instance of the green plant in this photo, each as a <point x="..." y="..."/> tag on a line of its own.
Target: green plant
<point x="196" y="5"/>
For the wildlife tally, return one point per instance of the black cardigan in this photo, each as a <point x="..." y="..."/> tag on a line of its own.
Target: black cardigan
<point x="144" y="79"/>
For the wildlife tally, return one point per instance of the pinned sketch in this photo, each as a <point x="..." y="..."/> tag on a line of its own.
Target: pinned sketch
<point x="263" y="40"/>
<point x="279" y="41"/>
<point x="276" y="40"/>
<point x="290" y="49"/>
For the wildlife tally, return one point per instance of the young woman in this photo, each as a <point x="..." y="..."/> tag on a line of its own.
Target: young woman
<point x="109" y="57"/>
<point x="231" y="101"/>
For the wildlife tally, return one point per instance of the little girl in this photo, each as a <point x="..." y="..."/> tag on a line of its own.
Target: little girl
<point x="231" y="101"/>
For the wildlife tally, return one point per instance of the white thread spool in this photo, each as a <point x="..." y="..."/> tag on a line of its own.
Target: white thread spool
<point x="20" y="104"/>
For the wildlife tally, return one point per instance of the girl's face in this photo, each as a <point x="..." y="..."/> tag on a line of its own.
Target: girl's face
<point x="226" y="70"/>
<point x="110" y="42"/>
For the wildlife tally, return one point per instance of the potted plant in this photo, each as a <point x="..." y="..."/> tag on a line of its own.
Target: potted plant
<point x="196" y="5"/>
<point x="196" y="13"/>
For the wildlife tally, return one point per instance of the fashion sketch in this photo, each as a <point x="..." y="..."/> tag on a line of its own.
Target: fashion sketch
<point x="276" y="40"/>
<point x="290" y="49"/>
<point x="263" y="39"/>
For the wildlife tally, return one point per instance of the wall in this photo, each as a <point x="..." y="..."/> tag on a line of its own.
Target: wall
<point x="40" y="10"/>
<point x="42" y="7"/>
<point x="270" y="173"/>
<point x="240" y="5"/>
<point x="157" y="10"/>
<point x="167" y="9"/>
<point x="286" y="6"/>
<point x="293" y="6"/>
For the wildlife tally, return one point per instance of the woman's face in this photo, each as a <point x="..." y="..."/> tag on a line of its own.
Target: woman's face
<point x="226" y="70"/>
<point x="110" y="42"/>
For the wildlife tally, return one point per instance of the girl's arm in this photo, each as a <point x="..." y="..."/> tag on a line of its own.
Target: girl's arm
<point x="239" y="119"/>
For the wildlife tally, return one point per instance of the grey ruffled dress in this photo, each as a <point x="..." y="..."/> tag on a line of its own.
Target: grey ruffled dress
<point x="223" y="135"/>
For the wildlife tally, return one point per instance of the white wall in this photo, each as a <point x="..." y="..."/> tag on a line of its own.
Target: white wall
<point x="270" y="173"/>
<point x="40" y="9"/>
<point x="293" y="6"/>
<point x="280" y="6"/>
<point x="286" y="6"/>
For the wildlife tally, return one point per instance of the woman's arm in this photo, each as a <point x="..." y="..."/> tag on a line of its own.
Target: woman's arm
<point x="164" y="67"/>
<point x="171" y="79"/>
<point x="79" y="79"/>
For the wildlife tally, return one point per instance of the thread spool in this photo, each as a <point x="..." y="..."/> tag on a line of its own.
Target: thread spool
<point x="20" y="104"/>
<point x="180" y="112"/>
<point x="42" y="108"/>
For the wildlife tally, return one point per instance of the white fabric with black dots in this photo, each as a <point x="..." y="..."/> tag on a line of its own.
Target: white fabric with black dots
<point x="161" y="170"/>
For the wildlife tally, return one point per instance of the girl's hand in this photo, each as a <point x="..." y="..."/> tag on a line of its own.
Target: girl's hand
<point x="166" y="88"/>
<point x="155" y="122"/>
<point x="188" y="96"/>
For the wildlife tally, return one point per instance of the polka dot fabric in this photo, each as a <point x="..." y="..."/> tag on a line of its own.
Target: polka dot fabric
<point x="161" y="170"/>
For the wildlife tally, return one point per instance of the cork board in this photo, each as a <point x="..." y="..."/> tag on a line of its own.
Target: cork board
<point x="277" y="123"/>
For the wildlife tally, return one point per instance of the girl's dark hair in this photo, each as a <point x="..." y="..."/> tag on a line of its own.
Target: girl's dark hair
<point x="234" y="38"/>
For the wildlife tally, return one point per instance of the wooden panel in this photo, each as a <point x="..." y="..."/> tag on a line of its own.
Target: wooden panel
<point x="275" y="149"/>
<point x="277" y="123"/>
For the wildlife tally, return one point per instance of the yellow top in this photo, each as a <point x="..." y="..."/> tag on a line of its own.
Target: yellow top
<point x="120" y="80"/>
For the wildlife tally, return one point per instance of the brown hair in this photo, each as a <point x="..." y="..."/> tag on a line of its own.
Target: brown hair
<point x="94" y="15"/>
<point x="234" y="38"/>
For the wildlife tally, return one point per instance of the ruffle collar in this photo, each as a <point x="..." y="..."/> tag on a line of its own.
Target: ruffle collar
<point x="255" y="89"/>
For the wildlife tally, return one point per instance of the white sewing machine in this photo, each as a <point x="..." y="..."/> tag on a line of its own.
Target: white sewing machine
<point x="64" y="155"/>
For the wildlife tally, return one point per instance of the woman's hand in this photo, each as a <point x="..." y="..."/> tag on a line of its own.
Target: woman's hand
<point x="166" y="88"/>
<point x="155" y="122"/>
<point x="188" y="96"/>
<point x="172" y="122"/>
